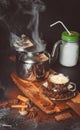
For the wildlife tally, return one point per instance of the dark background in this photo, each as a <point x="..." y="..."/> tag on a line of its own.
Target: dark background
<point x="11" y="21"/>
<point x="66" y="11"/>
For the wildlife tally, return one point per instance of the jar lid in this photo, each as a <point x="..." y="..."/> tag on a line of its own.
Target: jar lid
<point x="74" y="37"/>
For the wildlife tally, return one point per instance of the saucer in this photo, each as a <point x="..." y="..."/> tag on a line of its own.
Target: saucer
<point x="65" y="96"/>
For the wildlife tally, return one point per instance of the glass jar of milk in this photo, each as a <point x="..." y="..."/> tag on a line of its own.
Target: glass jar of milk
<point x="69" y="49"/>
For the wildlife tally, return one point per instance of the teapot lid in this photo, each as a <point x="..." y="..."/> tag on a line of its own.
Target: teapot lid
<point x="74" y="37"/>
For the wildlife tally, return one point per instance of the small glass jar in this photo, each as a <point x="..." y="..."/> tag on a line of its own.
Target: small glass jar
<point x="69" y="49"/>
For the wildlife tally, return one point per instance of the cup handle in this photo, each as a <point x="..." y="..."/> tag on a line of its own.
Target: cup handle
<point x="72" y="87"/>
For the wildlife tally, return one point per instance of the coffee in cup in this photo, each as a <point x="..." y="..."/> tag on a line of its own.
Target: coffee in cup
<point x="58" y="83"/>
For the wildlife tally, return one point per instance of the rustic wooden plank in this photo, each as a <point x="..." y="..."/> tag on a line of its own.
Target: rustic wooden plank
<point x="33" y="93"/>
<point x="75" y="107"/>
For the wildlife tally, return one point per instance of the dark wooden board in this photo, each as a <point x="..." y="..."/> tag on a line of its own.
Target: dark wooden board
<point x="33" y="93"/>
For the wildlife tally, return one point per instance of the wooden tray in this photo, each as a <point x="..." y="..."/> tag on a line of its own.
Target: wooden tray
<point x="74" y="104"/>
<point x="34" y="94"/>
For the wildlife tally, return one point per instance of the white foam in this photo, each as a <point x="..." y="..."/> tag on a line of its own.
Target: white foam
<point x="58" y="79"/>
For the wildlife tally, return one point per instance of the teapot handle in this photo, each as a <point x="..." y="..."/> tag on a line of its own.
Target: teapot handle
<point x="55" y="49"/>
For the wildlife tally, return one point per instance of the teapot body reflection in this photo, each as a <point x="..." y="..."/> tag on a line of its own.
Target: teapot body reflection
<point x="69" y="49"/>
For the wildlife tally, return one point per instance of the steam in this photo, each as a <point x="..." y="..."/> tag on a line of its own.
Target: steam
<point x="22" y="15"/>
<point x="37" y="6"/>
<point x="13" y="39"/>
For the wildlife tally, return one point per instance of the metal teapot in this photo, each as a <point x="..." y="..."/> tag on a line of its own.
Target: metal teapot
<point x="32" y="65"/>
<point x="31" y="62"/>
